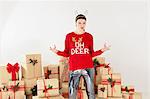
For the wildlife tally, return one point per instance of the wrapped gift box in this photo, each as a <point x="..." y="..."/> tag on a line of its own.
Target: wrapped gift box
<point x="63" y="66"/>
<point x="135" y="95"/>
<point x="33" y="68"/>
<point x="6" y="73"/>
<point x="51" y="71"/>
<point x="102" y="91"/>
<point x="48" y="87"/>
<point x="16" y="89"/>
<point x="102" y="70"/>
<point x="114" y="84"/>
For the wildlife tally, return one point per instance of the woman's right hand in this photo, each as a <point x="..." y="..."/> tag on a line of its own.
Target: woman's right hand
<point x="53" y="49"/>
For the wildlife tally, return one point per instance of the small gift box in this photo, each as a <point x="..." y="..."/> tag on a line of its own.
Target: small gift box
<point x="103" y="69"/>
<point x="52" y="97"/>
<point x="47" y="87"/>
<point x="33" y="68"/>
<point x="102" y="91"/>
<point x="51" y="71"/>
<point x="135" y="95"/>
<point x="114" y="86"/>
<point x="16" y="89"/>
<point x="9" y="73"/>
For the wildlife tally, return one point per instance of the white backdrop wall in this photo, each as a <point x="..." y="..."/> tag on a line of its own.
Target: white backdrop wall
<point x="31" y="27"/>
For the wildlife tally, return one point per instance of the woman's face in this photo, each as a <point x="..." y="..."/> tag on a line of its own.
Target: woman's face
<point x="80" y="24"/>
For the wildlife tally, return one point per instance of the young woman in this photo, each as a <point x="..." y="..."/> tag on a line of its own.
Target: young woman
<point x="79" y="49"/>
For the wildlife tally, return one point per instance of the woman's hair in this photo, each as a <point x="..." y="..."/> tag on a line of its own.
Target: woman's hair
<point x="80" y="16"/>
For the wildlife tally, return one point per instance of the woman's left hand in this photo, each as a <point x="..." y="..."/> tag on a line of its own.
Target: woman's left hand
<point x="106" y="47"/>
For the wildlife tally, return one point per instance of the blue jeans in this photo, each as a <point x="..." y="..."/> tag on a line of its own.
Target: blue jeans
<point x="88" y="75"/>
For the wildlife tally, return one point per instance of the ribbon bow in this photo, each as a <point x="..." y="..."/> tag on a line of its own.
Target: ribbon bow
<point x="102" y="89"/>
<point x="47" y="74"/>
<point x="13" y="69"/>
<point x="33" y="61"/>
<point x="5" y="88"/>
<point x="127" y="89"/>
<point x="15" y="88"/>
<point x="112" y="82"/>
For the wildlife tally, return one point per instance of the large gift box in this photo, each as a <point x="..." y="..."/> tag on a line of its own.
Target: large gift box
<point x="114" y="84"/>
<point x="51" y="71"/>
<point x="33" y="68"/>
<point x="135" y="95"/>
<point x="102" y="91"/>
<point x="9" y="73"/>
<point x="47" y="87"/>
<point x="16" y="89"/>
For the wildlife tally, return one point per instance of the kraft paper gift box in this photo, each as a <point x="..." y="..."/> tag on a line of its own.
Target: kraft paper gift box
<point x="51" y="71"/>
<point x="135" y="95"/>
<point x="33" y="68"/>
<point x="47" y="87"/>
<point x="16" y="89"/>
<point x="102" y="70"/>
<point x="9" y="73"/>
<point x="114" y="84"/>
<point x="63" y="66"/>
<point x="102" y="91"/>
<point x="127" y="89"/>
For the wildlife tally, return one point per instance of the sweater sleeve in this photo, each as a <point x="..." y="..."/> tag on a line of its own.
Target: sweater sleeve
<point x="94" y="53"/>
<point x="65" y="53"/>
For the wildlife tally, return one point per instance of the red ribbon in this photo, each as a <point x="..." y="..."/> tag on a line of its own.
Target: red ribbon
<point x="13" y="69"/>
<point x="127" y="90"/>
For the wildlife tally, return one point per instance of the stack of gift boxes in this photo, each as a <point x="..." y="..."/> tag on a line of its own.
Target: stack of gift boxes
<point x="109" y="84"/>
<point x="34" y="81"/>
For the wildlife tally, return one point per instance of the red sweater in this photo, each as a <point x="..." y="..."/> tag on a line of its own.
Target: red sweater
<point x="79" y="49"/>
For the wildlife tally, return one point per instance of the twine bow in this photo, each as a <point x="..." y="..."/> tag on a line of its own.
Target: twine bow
<point x="33" y="61"/>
